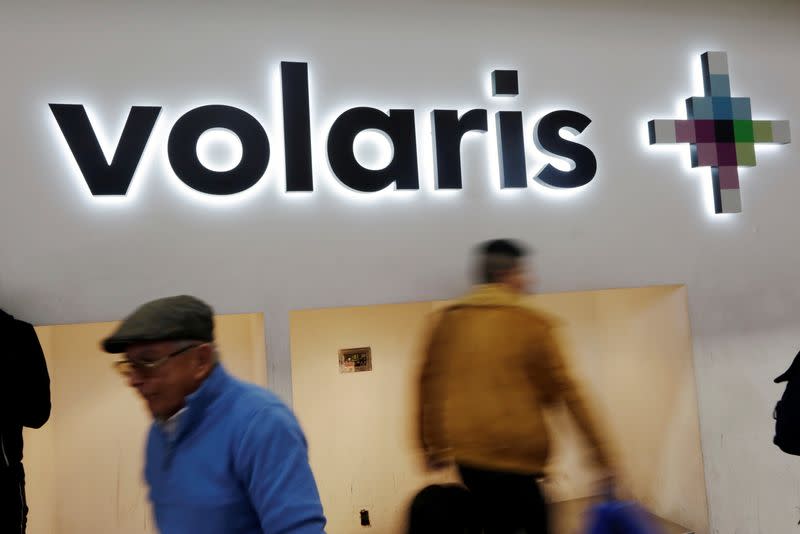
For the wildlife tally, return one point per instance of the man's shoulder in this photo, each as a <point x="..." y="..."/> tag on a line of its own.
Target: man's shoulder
<point x="250" y="401"/>
<point x="539" y="318"/>
<point x="533" y="317"/>
<point x="260" y="419"/>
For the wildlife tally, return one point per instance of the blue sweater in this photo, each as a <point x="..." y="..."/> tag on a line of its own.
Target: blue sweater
<point x="237" y="463"/>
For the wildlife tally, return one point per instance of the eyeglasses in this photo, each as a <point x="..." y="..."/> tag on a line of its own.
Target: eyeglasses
<point x="127" y="367"/>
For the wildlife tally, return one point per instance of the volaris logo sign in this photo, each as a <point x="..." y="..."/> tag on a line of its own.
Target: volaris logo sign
<point x="721" y="132"/>
<point x="398" y="125"/>
<point x="719" y="129"/>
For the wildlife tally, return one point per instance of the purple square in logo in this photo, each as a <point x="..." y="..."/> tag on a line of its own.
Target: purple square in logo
<point x="707" y="155"/>
<point x="705" y="131"/>
<point x="684" y="132"/>
<point x="726" y="154"/>
<point x="728" y="177"/>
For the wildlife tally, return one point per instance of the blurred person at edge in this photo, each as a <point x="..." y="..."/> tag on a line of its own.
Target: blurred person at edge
<point x="491" y="367"/>
<point x="223" y="456"/>
<point x="24" y="402"/>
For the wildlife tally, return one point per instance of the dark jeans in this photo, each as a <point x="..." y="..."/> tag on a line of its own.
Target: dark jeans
<point x="509" y="503"/>
<point x="13" y="508"/>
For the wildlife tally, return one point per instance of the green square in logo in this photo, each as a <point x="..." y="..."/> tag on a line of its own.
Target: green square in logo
<point x="743" y="131"/>
<point x="762" y="131"/>
<point x="746" y="154"/>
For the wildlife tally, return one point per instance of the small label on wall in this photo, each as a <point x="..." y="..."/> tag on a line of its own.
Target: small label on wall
<point x="355" y="360"/>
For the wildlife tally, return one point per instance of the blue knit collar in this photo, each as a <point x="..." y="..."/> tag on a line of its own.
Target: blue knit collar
<point x="198" y="402"/>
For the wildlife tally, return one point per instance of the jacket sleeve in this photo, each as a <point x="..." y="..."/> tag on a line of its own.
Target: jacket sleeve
<point x="562" y="385"/>
<point x="32" y="385"/>
<point x="272" y="463"/>
<point x="429" y="403"/>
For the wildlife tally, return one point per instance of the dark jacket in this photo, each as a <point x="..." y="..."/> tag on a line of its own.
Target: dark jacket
<point x="24" y="389"/>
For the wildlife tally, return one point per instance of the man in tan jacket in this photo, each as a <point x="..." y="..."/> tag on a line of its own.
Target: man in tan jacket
<point x="491" y="367"/>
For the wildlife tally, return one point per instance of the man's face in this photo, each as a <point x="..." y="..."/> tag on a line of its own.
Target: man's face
<point x="164" y="373"/>
<point x="521" y="279"/>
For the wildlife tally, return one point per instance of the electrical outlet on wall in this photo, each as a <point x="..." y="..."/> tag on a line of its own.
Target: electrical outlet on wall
<point x="365" y="518"/>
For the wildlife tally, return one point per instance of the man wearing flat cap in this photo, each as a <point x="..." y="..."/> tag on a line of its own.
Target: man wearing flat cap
<point x="223" y="456"/>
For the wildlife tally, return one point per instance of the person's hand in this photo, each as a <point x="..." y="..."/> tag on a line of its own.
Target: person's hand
<point x="437" y="460"/>
<point x="606" y="486"/>
<point x="436" y="464"/>
<point x="612" y="486"/>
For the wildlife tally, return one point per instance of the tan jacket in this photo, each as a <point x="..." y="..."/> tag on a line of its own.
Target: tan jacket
<point x="491" y="367"/>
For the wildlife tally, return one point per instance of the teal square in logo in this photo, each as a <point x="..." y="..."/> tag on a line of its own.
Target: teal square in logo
<point x="741" y="109"/>
<point x="700" y="108"/>
<point x="720" y="84"/>
<point x="722" y="108"/>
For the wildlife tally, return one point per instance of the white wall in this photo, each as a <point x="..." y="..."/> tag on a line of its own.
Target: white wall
<point x="360" y="426"/>
<point x="644" y="220"/>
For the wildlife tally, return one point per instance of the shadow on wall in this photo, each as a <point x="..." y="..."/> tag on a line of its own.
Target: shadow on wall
<point x="632" y="348"/>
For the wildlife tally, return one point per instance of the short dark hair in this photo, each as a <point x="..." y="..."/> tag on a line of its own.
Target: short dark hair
<point x="497" y="257"/>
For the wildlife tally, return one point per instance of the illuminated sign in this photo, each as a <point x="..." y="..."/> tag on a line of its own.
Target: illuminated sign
<point x="114" y="178"/>
<point x="721" y="132"/>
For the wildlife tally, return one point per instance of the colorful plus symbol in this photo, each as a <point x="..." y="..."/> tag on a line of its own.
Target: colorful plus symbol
<point x="721" y="131"/>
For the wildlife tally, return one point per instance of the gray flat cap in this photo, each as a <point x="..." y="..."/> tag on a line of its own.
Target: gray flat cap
<point x="166" y="319"/>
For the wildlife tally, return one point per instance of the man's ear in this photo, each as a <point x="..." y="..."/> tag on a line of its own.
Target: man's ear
<point x="204" y="360"/>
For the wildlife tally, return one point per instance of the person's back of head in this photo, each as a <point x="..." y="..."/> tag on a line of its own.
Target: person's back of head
<point x="443" y="509"/>
<point x="502" y="261"/>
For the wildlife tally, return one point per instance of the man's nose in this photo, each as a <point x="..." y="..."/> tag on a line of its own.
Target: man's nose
<point x="135" y="379"/>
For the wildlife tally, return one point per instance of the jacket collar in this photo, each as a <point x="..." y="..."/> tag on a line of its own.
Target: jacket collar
<point x="198" y="402"/>
<point x="499" y="295"/>
<point x="491" y="295"/>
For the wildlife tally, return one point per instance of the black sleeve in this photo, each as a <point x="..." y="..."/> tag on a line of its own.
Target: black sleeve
<point x="32" y="395"/>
